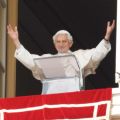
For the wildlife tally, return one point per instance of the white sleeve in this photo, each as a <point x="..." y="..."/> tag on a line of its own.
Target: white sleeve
<point x="101" y="51"/>
<point x="25" y="57"/>
<point x="96" y="56"/>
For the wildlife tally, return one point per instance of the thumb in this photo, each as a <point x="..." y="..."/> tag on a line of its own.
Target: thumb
<point x="16" y="29"/>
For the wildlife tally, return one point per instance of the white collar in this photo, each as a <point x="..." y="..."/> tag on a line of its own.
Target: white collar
<point x="67" y="53"/>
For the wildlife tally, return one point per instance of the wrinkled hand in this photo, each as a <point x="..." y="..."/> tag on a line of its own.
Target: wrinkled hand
<point x="109" y="30"/>
<point x="13" y="33"/>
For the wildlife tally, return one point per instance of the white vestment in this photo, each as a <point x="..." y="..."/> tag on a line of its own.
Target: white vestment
<point x="88" y="61"/>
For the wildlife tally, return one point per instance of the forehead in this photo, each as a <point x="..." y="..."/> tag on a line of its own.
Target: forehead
<point x="61" y="37"/>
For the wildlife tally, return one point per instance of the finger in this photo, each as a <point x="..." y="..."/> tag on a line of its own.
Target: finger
<point x="15" y="28"/>
<point x="108" y="23"/>
<point x="113" y="23"/>
<point x="9" y="27"/>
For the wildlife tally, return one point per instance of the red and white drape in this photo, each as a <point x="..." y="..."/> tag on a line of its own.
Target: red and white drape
<point x="88" y="104"/>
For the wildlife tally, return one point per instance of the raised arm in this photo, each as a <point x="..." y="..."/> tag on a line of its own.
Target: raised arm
<point x="103" y="48"/>
<point x="13" y="33"/>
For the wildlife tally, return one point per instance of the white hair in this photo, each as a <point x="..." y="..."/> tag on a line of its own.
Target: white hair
<point x="63" y="32"/>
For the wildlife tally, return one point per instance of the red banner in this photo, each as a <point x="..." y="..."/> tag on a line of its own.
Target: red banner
<point x="75" y="105"/>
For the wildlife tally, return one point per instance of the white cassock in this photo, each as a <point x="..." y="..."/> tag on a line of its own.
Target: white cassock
<point x="88" y="61"/>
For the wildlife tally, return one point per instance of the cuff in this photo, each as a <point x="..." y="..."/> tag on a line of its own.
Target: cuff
<point x="17" y="51"/>
<point x="106" y="44"/>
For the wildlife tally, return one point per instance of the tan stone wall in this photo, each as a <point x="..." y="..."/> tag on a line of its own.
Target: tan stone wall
<point x="2" y="49"/>
<point x="12" y="14"/>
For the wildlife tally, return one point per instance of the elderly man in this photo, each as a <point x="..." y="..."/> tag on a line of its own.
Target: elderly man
<point x="88" y="60"/>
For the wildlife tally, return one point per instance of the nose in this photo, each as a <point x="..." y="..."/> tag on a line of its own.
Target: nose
<point x="61" y="43"/>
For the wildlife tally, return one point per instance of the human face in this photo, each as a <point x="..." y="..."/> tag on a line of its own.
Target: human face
<point x="62" y="44"/>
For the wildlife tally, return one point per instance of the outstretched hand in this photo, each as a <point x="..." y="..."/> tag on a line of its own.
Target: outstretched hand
<point x="13" y="33"/>
<point x="109" y="29"/>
